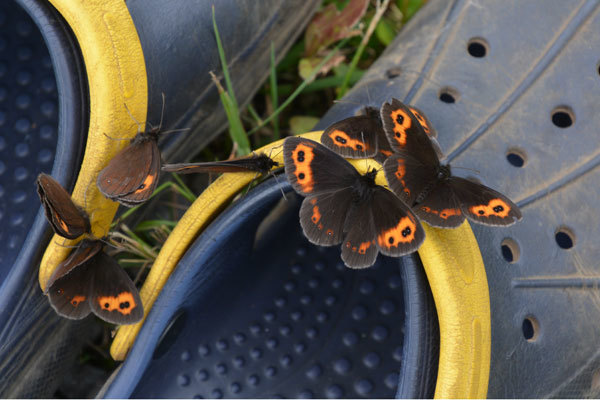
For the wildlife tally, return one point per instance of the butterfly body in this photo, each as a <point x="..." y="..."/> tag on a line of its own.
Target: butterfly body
<point x="132" y="175"/>
<point x="260" y="163"/>
<point x="344" y="207"/>
<point x="415" y="174"/>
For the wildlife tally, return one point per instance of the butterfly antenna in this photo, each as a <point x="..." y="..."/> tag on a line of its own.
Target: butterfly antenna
<point x="66" y="245"/>
<point x="133" y="118"/>
<point x="113" y="138"/>
<point x="476" y="171"/>
<point x="278" y="184"/>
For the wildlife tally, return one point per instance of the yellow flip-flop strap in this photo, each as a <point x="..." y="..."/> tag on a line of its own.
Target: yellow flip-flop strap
<point x="116" y="73"/>
<point x="452" y="262"/>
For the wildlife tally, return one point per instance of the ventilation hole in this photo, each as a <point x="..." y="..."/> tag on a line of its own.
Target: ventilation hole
<point x="565" y="239"/>
<point x="563" y="117"/>
<point x="510" y="250"/>
<point x="477" y="47"/>
<point x="516" y="157"/>
<point x="530" y="329"/>
<point x="393" y="72"/>
<point x="448" y="95"/>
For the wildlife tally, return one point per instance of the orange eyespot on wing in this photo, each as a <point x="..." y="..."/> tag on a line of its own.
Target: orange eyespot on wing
<point x="342" y="139"/>
<point x="402" y="123"/>
<point x="146" y="185"/>
<point x="123" y="303"/>
<point x="404" y="232"/>
<point x="78" y="299"/>
<point x="495" y="207"/>
<point x="444" y="213"/>
<point x="302" y="157"/>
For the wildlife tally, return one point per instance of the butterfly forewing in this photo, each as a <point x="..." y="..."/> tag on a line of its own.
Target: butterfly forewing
<point x="85" y="251"/>
<point x="258" y="163"/>
<point x="322" y="216"/>
<point x="312" y="168"/>
<point x="405" y="133"/>
<point x="132" y="175"/>
<point x="354" y="137"/>
<point x="484" y="205"/>
<point x="114" y="297"/>
<point x="66" y="219"/>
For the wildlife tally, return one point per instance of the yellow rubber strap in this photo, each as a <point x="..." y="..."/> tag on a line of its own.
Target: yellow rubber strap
<point x="452" y="262"/>
<point x="116" y="73"/>
<point x="457" y="277"/>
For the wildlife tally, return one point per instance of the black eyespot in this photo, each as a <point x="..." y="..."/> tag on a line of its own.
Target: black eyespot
<point x="498" y="209"/>
<point x="407" y="231"/>
<point x="400" y="119"/>
<point x="359" y="147"/>
<point x="142" y="186"/>
<point x="301" y="156"/>
<point x="481" y="212"/>
<point x="340" y="139"/>
<point x="124" y="305"/>
<point x="391" y="240"/>
<point x="106" y="305"/>
<point x="301" y="175"/>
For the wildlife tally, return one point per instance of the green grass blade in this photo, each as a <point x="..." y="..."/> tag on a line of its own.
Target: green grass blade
<point x="228" y="84"/>
<point x="274" y="95"/>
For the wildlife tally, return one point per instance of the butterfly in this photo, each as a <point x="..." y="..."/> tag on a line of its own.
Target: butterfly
<point x="415" y="174"/>
<point x="363" y="136"/>
<point x="343" y="206"/>
<point x="89" y="280"/>
<point x="66" y="219"/>
<point x="260" y="163"/>
<point x="132" y="175"/>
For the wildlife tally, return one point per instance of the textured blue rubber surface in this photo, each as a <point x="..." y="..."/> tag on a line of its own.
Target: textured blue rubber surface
<point x="254" y="310"/>
<point x="36" y="135"/>
<point x="512" y="90"/>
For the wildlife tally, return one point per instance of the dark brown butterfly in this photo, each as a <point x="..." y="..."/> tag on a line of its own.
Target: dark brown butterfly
<point x="343" y="206"/>
<point x="415" y="174"/>
<point x="66" y="219"/>
<point x="260" y="163"/>
<point x="363" y="136"/>
<point x="91" y="281"/>
<point x="132" y="175"/>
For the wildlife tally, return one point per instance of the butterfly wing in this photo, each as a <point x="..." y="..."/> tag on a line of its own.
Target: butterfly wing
<point x="66" y="219"/>
<point x="358" y="247"/>
<point x="354" y="137"/>
<point x="258" y="163"/>
<point x="483" y="205"/>
<point x="113" y="296"/>
<point x="398" y="231"/>
<point x="132" y="175"/>
<point x="69" y="294"/>
<point x="85" y="251"/>
<point x="405" y="133"/>
<point x="407" y="176"/>
<point x="311" y="168"/>
<point x="322" y="216"/>
<point x="441" y="207"/>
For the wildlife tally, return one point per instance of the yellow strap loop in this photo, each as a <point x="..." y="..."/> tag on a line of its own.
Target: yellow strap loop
<point x="116" y="73"/>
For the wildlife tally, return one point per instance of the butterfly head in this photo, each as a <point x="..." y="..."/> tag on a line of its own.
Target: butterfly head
<point x="444" y="173"/>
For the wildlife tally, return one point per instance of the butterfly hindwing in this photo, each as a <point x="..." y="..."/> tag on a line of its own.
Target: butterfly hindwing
<point x="358" y="247"/>
<point x="322" y="216"/>
<point x="311" y="168"/>
<point x="113" y="296"/>
<point x="66" y="219"/>
<point x="398" y="230"/>
<point x="69" y="294"/>
<point x="486" y="206"/>
<point x="441" y="207"/>
<point x="132" y="175"/>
